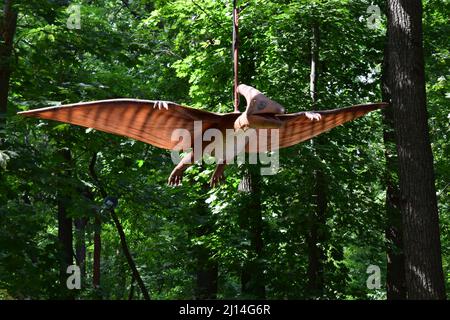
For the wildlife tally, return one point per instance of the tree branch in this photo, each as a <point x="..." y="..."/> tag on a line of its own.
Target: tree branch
<point x="123" y="240"/>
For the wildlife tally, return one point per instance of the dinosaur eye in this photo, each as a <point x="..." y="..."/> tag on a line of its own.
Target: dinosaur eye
<point x="261" y="105"/>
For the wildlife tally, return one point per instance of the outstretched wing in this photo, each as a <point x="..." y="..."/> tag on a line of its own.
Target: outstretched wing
<point x="301" y="126"/>
<point x="152" y="122"/>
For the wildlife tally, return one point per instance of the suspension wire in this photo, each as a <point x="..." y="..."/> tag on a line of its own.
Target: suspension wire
<point x="235" y="48"/>
<point x="236" y="54"/>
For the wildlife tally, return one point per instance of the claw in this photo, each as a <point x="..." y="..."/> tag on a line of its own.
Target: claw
<point x="175" y="179"/>
<point x="216" y="179"/>
<point x="313" y="116"/>
<point x="161" y="104"/>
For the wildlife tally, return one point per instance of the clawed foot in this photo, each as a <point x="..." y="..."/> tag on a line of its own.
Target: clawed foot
<point x="313" y="116"/>
<point x="216" y="180"/>
<point x="161" y="105"/>
<point x="218" y="176"/>
<point x="175" y="179"/>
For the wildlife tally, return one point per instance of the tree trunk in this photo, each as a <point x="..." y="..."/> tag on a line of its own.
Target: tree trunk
<point x="207" y="267"/>
<point x="97" y="252"/>
<point x="315" y="236"/>
<point x="395" y="270"/>
<point x="252" y="273"/>
<point x="207" y="274"/>
<point x="8" y="24"/>
<point x="418" y="204"/>
<point x="80" y="246"/>
<point x="65" y="239"/>
<point x="314" y="75"/>
<point x="250" y="214"/>
<point x="65" y="236"/>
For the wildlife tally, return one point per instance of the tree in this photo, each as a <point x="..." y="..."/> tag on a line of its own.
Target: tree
<point x="8" y="24"/>
<point x="207" y="267"/>
<point x="250" y="217"/>
<point x="395" y="271"/>
<point x="317" y="219"/>
<point x="65" y="230"/>
<point x="96" y="272"/>
<point x="418" y="205"/>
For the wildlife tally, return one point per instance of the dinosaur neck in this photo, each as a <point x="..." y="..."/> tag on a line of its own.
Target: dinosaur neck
<point x="248" y="92"/>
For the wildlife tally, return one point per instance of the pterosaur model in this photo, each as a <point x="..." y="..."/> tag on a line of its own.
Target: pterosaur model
<point x="155" y="122"/>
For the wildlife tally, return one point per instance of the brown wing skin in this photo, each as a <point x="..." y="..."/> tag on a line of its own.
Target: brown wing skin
<point x="149" y="121"/>
<point x="302" y="126"/>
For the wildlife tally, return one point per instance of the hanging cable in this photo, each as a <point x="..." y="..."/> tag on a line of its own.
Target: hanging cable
<point x="236" y="54"/>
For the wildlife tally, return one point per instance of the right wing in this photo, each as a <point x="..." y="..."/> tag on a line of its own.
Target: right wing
<point x="302" y="126"/>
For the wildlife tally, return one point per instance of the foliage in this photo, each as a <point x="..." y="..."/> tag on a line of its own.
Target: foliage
<point x="180" y="51"/>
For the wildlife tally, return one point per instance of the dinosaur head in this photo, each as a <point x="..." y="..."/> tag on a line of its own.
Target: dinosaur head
<point x="261" y="112"/>
<point x="260" y="104"/>
<point x="257" y="103"/>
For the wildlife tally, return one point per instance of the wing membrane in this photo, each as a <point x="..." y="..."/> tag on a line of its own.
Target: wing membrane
<point x="152" y="122"/>
<point x="302" y="126"/>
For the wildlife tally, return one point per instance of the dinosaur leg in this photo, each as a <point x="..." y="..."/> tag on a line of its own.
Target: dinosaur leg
<point x="218" y="175"/>
<point x="176" y="176"/>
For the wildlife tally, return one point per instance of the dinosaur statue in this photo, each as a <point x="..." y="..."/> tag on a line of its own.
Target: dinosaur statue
<point x="154" y="122"/>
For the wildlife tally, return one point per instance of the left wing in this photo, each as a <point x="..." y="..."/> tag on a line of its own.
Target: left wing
<point x="152" y="122"/>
